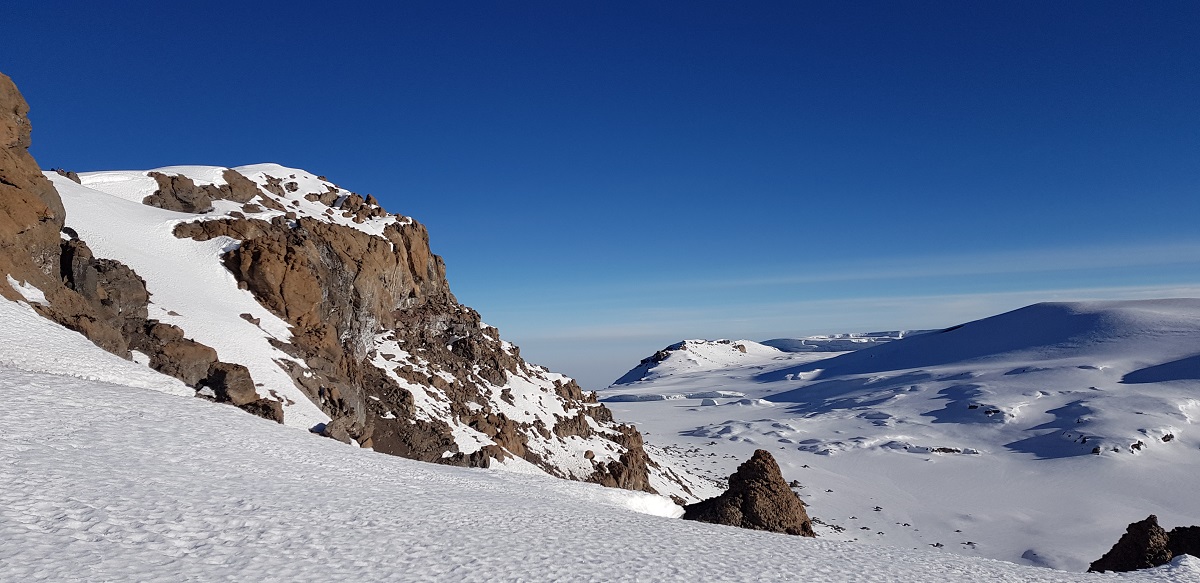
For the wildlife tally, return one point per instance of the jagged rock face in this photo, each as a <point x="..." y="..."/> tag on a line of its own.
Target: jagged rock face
<point x="393" y="358"/>
<point x="100" y="298"/>
<point x="1145" y="544"/>
<point x="758" y="498"/>
<point x="31" y="213"/>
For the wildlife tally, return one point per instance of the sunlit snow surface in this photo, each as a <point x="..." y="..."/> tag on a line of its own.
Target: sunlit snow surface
<point x="103" y="482"/>
<point x="975" y="441"/>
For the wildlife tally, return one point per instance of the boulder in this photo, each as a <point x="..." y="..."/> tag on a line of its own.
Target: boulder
<point x="758" y="498"/>
<point x="1145" y="544"/>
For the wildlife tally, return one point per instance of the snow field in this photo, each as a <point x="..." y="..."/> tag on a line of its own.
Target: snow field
<point x="976" y="441"/>
<point x="112" y="483"/>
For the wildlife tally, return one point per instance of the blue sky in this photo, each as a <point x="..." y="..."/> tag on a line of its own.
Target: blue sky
<point x="605" y="178"/>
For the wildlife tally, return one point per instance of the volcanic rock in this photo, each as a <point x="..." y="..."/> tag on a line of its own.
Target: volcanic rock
<point x="758" y="498"/>
<point x="1145" y="544"/>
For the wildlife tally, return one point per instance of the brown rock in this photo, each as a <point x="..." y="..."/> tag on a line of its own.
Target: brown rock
<point x="231" y="383"/>
<point x="179" y="193"/>
<point x="265" y="408"/>
<point x="238" y="187"/>
<point x="758" y="498"/>
<point x="31" y="213"/>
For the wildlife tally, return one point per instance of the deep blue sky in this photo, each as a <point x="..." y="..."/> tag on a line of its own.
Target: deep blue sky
<point x="604" y="178"/>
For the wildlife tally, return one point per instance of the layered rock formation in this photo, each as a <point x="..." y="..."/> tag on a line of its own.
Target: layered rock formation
<point x="758" y="498"/>
<point x="1145" y="544"/>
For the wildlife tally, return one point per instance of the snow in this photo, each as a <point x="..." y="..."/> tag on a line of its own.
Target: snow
<point x="978" y="439"/>
<point x="28" y="291"/>
<point x="104" y="482"/>
<point x="29" y="342"/>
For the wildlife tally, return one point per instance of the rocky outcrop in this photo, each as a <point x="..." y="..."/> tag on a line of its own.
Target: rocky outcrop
<point x="758" y="498"/>
<point x="31" y="213"/>
<point x="102" y="299"/>
<point x="1145" y="544"/>
<point x="179" y="193"/>
<point x="389" y="353"/>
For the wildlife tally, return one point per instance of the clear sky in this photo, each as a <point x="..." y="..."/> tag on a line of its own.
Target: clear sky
<point x="605" y="177"/>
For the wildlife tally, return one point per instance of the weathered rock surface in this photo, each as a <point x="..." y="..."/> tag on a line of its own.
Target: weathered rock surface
<point x="102" y="299"/>
<point x="179" y="193"/>
<point x="1145" y="544"/>
<point x="31" y="213"/>
<point x="758" y="498"/>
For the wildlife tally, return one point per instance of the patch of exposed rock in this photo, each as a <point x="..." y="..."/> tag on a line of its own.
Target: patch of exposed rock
<point x="1145" y="544"/>
<point x="180" y="193"/>
<point x="101" y="298"/>
<point x="758" y="498"/>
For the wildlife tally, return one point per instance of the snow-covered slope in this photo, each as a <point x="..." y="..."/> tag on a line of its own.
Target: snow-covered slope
<point x="695" y="356"/>
<point x="1033" y="436"/>
<point x="105" y="482"/>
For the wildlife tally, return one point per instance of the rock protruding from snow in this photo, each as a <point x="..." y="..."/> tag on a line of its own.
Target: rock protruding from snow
<point x="31" y="213"/>
<point x="758" y="498"/>
<point x="1145" y="544"/>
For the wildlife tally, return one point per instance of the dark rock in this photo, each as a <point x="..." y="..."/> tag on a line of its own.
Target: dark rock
<point x="269" y="409"/>
<point x="231" y="383"/>
<point x="69" y="175"/>
<point x="1145" y="544"/>
<point x="1184" y="540"/>
<point x="758" y="498"/>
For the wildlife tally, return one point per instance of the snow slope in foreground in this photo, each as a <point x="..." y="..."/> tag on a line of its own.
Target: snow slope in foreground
<point x="113" y="483"/>
<point x="977" y="440"/>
